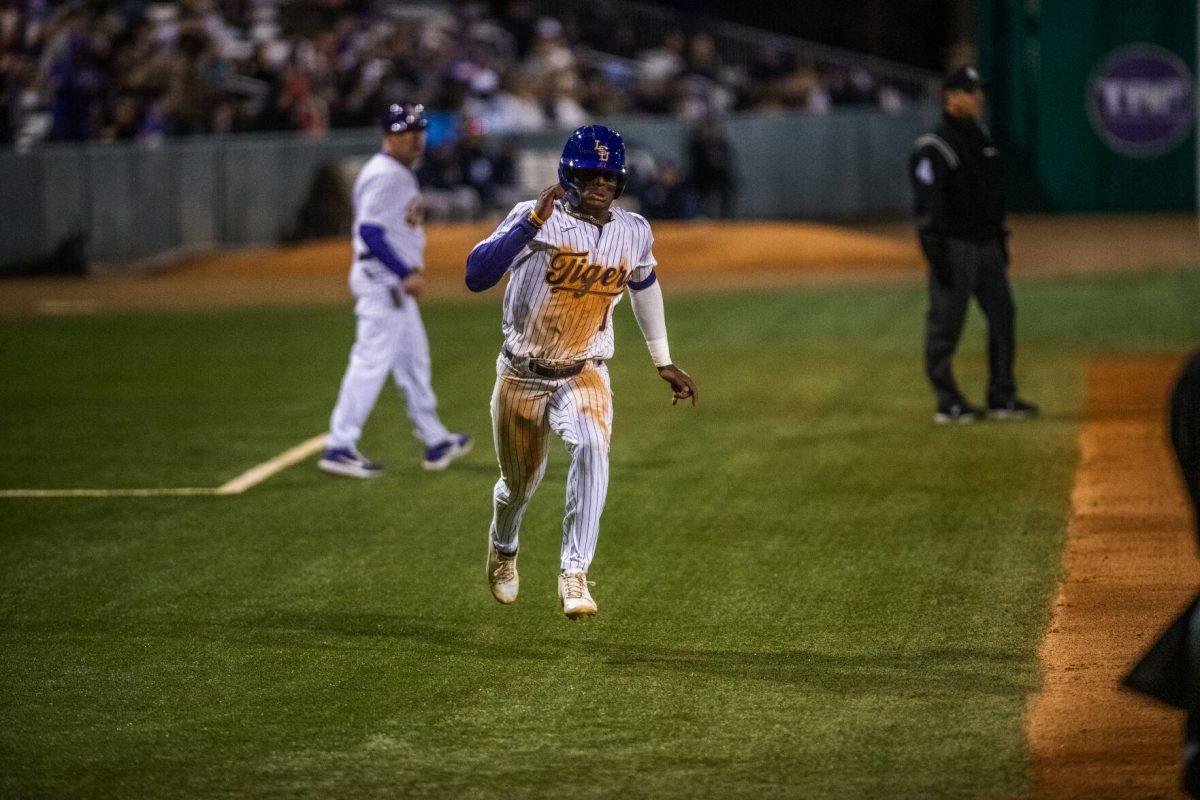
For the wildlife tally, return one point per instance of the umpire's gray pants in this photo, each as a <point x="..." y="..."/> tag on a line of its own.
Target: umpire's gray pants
<point x="979" y="270"/>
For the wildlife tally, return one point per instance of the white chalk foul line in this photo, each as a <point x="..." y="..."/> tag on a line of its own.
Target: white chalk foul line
<point x="256" y="475"/>
<point x="185" y="490"/>
<point x="248" y="479"/>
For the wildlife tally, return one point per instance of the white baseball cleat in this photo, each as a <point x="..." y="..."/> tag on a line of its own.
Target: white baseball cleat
<point x="502" y="574"/>
<point x="576" y="599"/>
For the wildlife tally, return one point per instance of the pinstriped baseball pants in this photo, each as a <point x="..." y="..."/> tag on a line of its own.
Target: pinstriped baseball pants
<point x="525" y="409"/>
<point x="389" y="341"/>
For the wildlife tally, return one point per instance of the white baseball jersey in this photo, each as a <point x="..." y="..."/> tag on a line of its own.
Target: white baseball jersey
<point x="386" y="194"/>
<point x="564" y="284"/>
<point x="390" y="338"/>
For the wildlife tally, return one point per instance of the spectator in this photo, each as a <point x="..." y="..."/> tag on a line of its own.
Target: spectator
<point x="802" y="89"/>
<point x="475" y="166"/>
<point x="506" y="164"/>
<point x="550" y="57"/>
<point x="702" y="58"/>
<point x="12" y="70"/>
<point x="624" y="41"/>
<point x="101" y="70"/>
<point x="125" y="123"/>
<point x="154" y="124"/>
<point x="278" y="113"/>
<point x="666" y="61"/>
<point x="443" y="186"/>
<point x="559" y="103"/>
<point x="501" y="110"/>
<point x="654" y="96"/>
<point x="440" y="168"/>
<point x="853" y="88"/>
<point x="712" y="169"/>
<point x="77" y="85"/>
<point x="189" y="95"/>
<point x="666" y="196"/>
<point x="599" y="97"/>
<point x="769" y="65"/>
<point x="518" y="22"/>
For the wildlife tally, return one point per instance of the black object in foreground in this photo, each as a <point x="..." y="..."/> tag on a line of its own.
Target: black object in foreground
<point x="1170" y="669"/>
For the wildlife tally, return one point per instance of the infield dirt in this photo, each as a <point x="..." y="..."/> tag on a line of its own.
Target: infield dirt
<point x="1130" y="565"/>
<point x="694" y="257"/>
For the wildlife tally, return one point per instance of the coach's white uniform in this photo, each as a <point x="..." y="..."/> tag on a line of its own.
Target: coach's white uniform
<point x="558" y="306"/>
<point x="390" y="335"/>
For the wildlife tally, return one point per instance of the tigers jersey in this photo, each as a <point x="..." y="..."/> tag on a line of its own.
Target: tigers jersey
<point x="563" y="285"/>
<point x="386" y="194"/>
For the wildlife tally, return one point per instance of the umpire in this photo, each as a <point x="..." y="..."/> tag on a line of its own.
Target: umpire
<point x="960" y="219"/>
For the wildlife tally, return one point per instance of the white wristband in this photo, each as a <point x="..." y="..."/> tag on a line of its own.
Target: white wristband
<point x="660" y="353"/>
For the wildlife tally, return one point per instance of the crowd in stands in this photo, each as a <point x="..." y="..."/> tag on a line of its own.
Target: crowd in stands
<point x="465" y="176"/>
<point x="130" y="69"/>
<point x="462" y="176"/>
<point x="87" y="70"/>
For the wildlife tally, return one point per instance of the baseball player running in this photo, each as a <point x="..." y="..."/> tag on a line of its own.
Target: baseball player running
<point x="385" y="279"/>
<point x="571" y="255"/>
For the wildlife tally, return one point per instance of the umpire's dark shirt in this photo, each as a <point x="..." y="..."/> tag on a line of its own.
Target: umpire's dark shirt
<point x="957" y="181"/>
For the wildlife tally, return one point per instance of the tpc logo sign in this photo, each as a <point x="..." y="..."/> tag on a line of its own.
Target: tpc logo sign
<point x="1141" y="100"/>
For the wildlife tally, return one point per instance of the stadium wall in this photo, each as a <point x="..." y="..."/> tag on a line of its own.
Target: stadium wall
<point x="128" y="201"/>
<point x="1093" y="102"/>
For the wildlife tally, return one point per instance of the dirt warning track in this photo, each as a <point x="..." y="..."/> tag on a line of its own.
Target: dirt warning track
<point x="694" y="256"/>
<point x="1130" y="565"/>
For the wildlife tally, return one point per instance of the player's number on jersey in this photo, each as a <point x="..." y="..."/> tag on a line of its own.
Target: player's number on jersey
<point x="604" y="319"/>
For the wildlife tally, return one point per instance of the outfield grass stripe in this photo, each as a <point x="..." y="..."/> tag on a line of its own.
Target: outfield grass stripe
<point x="256" y="475"/>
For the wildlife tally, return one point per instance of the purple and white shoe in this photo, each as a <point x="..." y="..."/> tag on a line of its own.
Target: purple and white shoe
<point x="440" y="455"/>
<point x="347" y="462"/>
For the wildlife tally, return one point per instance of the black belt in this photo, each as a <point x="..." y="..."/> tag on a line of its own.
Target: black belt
<point x="542" y="371"/>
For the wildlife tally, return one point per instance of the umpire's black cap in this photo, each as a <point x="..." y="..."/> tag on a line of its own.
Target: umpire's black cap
<point x="401" y="117"/>
<point x="965" y="78"/>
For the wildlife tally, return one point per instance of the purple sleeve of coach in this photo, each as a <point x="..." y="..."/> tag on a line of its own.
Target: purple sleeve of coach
<point x="375" y="239"/>
<point x="490" y="260"/>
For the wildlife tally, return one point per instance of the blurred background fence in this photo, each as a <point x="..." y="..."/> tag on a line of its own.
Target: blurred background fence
<point x="126" y="201"/>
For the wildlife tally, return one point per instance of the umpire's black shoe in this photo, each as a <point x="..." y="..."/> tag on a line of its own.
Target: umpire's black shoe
<point x="1013" y="408"/>
<point x="959" y="412"/>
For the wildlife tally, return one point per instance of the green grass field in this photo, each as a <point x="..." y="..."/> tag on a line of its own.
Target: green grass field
<point x="806" y="588"/>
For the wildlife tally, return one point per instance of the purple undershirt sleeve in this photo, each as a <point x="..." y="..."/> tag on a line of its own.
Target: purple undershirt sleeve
<point x="376" y="241"/>
<point x="490" y="260"/>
